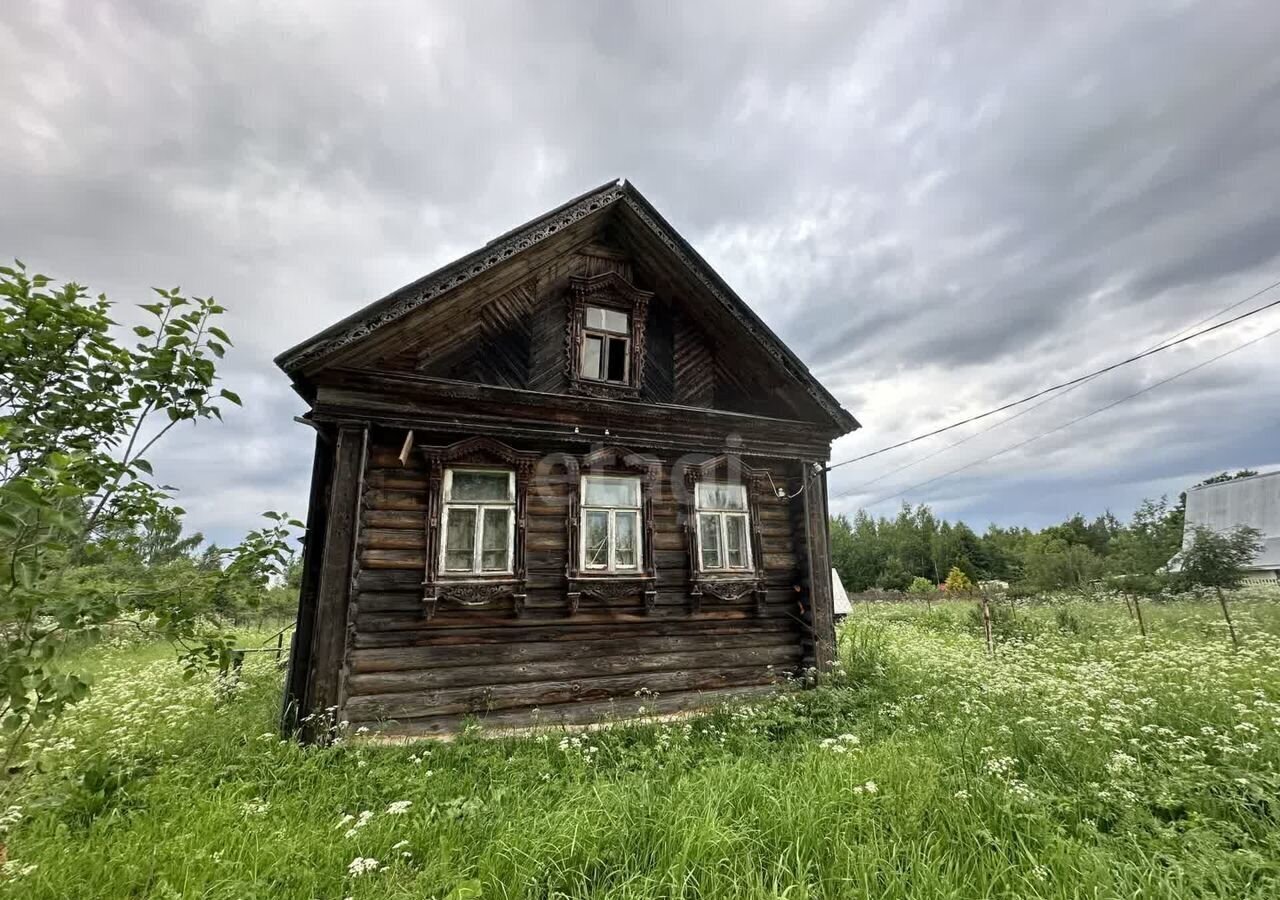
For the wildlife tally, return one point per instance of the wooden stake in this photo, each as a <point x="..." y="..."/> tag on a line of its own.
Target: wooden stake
<point x="986" y="622"/>
<point x="1137" y="611"/>
<point x="1222" y="600"/>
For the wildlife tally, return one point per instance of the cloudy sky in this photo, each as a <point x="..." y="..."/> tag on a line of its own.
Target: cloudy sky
<point x="939" y="209"/>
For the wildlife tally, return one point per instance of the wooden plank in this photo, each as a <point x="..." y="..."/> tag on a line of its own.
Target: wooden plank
<point x="393" y="538"/>
<point x="817" y="540"/>
<point x="444" y="701"/>
<point x="390" y="659"/>
<point x="412" y="401"/>
<point x="297" y="681"/>
<point x="334" y="591"/>
<point x="560" y="714"/>
<point x="393" y="559"/>
<point x="569" y="630"/>
<point x="616" y="615"/>
<point x="392" y="518"/>
<point x="396" y="479"/>
<point x="783" y="659"/>
<point x="403" y="500"/>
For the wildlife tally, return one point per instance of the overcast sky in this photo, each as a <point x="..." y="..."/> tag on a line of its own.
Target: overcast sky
<point x="940" y="207"/>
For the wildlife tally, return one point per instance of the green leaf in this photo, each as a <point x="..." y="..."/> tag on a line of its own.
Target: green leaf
<point x="231" y="395"/>
<point x="143" y="331"/>
<point x="144" y="466"/>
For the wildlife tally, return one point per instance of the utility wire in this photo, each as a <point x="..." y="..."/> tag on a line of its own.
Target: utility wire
<point x="1049" y="399"/>
<point x="1065" y="425"/>
<point x="1073" y="381"/>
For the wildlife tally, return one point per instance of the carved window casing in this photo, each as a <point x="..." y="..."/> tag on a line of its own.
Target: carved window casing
<point x="612" y="583"/>
<point x="596" y="333"/>
<point x="475" y="587"/>
<point x="716" y="575"/>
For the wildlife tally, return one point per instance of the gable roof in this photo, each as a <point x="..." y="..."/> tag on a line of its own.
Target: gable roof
<point x="405" y="300"/>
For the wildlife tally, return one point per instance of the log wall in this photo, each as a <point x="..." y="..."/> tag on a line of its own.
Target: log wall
<point x="418" y="675"/>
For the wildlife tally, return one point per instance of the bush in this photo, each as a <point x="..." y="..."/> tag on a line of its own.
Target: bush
<point x="920" y="586"/>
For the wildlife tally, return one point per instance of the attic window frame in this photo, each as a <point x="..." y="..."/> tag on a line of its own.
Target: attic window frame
<point x="608" y="339"/>
<point x="610" y="292"/>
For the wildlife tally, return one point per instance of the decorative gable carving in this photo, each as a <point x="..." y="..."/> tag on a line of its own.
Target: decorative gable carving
<point x="610" y="291"/>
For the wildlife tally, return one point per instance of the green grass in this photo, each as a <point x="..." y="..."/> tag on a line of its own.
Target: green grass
<point x="1081" y="762"/>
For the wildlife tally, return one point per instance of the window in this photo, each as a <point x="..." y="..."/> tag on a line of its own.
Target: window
<point x="606" y="345"/>
<point x="723" y="542"/>
<point x="610" y="523"/>
<point x="479" y="509"/>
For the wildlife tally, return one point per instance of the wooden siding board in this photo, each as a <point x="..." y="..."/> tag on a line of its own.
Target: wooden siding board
<point x="334" y="590"/>
<point x="580" y="712"/>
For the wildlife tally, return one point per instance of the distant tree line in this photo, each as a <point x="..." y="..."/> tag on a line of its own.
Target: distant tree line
<point x="891" y="553"/>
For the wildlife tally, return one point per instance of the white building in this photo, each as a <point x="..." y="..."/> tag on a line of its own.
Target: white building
<point x="1252" y="501"/>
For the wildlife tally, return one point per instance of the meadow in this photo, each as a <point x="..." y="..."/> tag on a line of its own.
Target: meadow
<point x="1081" y="761"/>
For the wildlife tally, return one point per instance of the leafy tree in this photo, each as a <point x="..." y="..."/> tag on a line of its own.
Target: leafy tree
<point x="1220" y="561"/>
<point x="958" y="582"/>
<point x="79" y="411"/>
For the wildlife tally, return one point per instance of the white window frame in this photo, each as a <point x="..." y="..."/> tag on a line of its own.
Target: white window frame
<point x="612" y="568"/>
<point x="476" y="570"/>
<point x="605" y="336"/>
<point x="720" y="515"/>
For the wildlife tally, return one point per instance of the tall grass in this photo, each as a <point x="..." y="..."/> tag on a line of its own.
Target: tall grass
<point x="1080" y="762"/>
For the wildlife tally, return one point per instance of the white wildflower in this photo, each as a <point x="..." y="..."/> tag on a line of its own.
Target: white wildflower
<point x="362" y="864"/>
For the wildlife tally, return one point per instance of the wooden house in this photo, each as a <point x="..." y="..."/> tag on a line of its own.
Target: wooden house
<point x="567" y="476"/>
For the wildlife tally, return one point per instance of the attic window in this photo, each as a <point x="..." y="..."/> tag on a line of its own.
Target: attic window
<point x="606" y="345"/>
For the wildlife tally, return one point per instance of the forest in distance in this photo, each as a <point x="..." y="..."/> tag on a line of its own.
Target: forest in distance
<point x="891" y="553"/>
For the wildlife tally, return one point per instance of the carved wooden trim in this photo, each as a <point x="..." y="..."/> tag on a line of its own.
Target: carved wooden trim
<point x="451" y="276"/>
<point x="725" y="587"/>
<point x="473" y="595"/>
<point x="615" y="460"/>
<point x="469" y="590"/>
<point x="611" y="290"/>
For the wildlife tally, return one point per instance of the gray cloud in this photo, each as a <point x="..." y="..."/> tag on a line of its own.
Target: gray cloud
<point x="937" y="210"/>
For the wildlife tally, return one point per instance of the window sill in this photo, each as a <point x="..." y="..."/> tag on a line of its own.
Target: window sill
<point x="471" y="578"/>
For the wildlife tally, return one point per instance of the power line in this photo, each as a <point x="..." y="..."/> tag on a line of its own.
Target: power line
<point x="1047" y="400"/>
<point x="1073" y="381"/>
<point x="1065" y="425"/>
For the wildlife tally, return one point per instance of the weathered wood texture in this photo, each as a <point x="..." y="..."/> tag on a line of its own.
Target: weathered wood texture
<point x="297" y="685"/>
<point x="406" y="669"/>
<point x="818" y="567"/>
<point x="513" y="335"/>
<point x="329" y="634"/>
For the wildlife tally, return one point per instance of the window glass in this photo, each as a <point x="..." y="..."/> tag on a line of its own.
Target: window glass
<point x="596" y="532"/>
<point x="480" y="486"/>
<point x="735" y="541"/>
<point x="595" y="317"/>
<point x="721" y="496"/>
<point x="616" y="369"/>
<point x="617" y="322"/>
<point x="709" y="541"/>
<point x="497" y="540"/>
<point x="460" y="540"/>
<point x="604" y="490"/>
<point x="592" y="350"/>
<point x="625" y="540"/>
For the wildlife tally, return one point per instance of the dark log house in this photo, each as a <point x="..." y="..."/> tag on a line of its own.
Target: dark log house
<point x="567" y="476"/>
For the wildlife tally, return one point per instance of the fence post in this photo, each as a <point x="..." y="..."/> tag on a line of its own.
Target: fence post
<point x="986" y="621"/>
